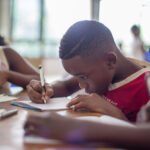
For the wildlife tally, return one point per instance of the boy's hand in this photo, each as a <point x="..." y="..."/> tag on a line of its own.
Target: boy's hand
<point x="96" y="103"/>
<point x="36" y="93"/>
<point x="92" y="102"/>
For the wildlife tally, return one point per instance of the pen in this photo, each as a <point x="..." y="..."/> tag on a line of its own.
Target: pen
<point x="8" y="113"/>
<point x="42" y="80"/>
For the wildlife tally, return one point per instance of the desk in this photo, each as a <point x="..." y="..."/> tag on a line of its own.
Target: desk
<point x="11" y="129"/>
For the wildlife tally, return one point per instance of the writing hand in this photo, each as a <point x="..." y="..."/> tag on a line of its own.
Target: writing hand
<point x="36" y="93"/>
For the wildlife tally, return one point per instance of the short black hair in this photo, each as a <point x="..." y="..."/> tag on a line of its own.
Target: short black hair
<point x="84" y="38"/>
<point x="135" y="27"/>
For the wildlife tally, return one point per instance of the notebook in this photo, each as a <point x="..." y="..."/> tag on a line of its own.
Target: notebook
<point x="53" y="104"/>
<point x="5" y="98"/>
<point x="40" y="140"/>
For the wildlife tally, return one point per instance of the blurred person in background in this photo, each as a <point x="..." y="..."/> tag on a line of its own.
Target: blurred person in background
<point x="14" y="68"/>
<point x="137" y="47"/>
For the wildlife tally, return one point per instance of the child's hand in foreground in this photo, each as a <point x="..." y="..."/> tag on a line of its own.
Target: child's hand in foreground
<point x="51" y="125"/>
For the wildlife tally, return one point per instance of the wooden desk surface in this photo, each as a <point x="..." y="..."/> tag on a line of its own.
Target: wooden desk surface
<point x="11" y="128"/>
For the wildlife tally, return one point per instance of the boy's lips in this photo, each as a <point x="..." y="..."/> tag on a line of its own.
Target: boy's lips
<point x="88" y="91"/>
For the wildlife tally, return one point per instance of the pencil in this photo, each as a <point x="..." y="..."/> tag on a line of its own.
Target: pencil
<point x="42" y="80"/>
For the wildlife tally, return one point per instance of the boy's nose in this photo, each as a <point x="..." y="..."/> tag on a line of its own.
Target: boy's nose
<point x="82" y="85"/>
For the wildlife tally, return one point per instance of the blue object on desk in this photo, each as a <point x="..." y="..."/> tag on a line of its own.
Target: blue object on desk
<point x="13" y="85"/>
<point x="16" y="104"/>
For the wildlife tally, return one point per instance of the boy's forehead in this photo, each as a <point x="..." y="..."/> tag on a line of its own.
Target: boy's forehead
<point x="76" y="65"/>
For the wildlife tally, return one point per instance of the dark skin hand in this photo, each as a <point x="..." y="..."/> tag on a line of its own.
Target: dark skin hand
<point x="50" y="125"/>
<point x="36" y="93"/>
<point x="57" y="89"/>
<point x="96" y="103"/>
<point x="80" y="131"/>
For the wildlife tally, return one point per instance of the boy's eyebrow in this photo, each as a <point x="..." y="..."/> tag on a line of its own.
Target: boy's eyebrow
<point x="79" y="74"/>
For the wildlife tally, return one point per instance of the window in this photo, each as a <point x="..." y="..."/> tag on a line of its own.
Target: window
<point x="38" y="25"/>
<point x="120" y="15"/>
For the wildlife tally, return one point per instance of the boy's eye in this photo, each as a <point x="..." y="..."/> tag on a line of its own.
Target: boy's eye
<point x="83" y="77"/>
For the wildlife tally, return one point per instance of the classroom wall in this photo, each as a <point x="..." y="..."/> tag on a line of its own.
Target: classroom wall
<point x="53" y="68"/>
<point x="5" y="21"/>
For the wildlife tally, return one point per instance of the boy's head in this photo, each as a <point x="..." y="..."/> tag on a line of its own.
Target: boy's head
<point x="88" y="52"/>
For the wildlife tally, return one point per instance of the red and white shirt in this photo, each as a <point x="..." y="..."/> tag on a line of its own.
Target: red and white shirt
<point x="130" y="94"/>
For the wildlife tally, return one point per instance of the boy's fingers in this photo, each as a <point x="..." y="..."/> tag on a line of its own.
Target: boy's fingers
<point x="49" y="91"/>
<point x="78" y="106"/>
<point x="73" y="102"/>
<point x="36" y="85"/>
<point x="76" y="100"/>
<point x="33" y="95"/>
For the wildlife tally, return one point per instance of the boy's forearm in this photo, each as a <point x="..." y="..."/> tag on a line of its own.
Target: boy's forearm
<point x="113" y="111"/>
<point x="20" y="79"/>
<point x="65" y="88"/>
<point x="117" y="113"/>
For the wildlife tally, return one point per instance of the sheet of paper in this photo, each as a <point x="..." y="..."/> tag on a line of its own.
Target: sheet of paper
<point x="40" y="140"/>
<point x="5" y="98"/>
<point x="53" y="104"/>
<point x="107" y="120"/>
<point x="2" y="111"/>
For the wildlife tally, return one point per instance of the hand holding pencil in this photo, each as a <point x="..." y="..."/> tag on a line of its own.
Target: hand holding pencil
<point x="39" y="91"/>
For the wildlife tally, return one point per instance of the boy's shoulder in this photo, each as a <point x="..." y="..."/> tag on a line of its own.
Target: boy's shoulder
<point x="141" y="63"/>
<point x="130" y="94"/>
<point x="138" y="77"/>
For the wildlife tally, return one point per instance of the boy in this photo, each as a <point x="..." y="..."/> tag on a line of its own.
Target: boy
<point x="116" y="86"/>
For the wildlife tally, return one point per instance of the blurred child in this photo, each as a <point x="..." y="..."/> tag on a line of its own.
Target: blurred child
<point x="137" y="46"/>
<point x="14" y="68"/>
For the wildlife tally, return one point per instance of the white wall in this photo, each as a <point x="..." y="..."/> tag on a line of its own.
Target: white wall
<point x="5" y="24"/>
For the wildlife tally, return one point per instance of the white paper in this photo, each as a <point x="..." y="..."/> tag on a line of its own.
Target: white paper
<point x="2" y="111"/>
<point x="53" y="104"/>
<point x="40" y="140"/>
<point x="5" y="98"/>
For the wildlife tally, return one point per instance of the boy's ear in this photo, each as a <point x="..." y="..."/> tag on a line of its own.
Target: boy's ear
<point x="111" y="60"/>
